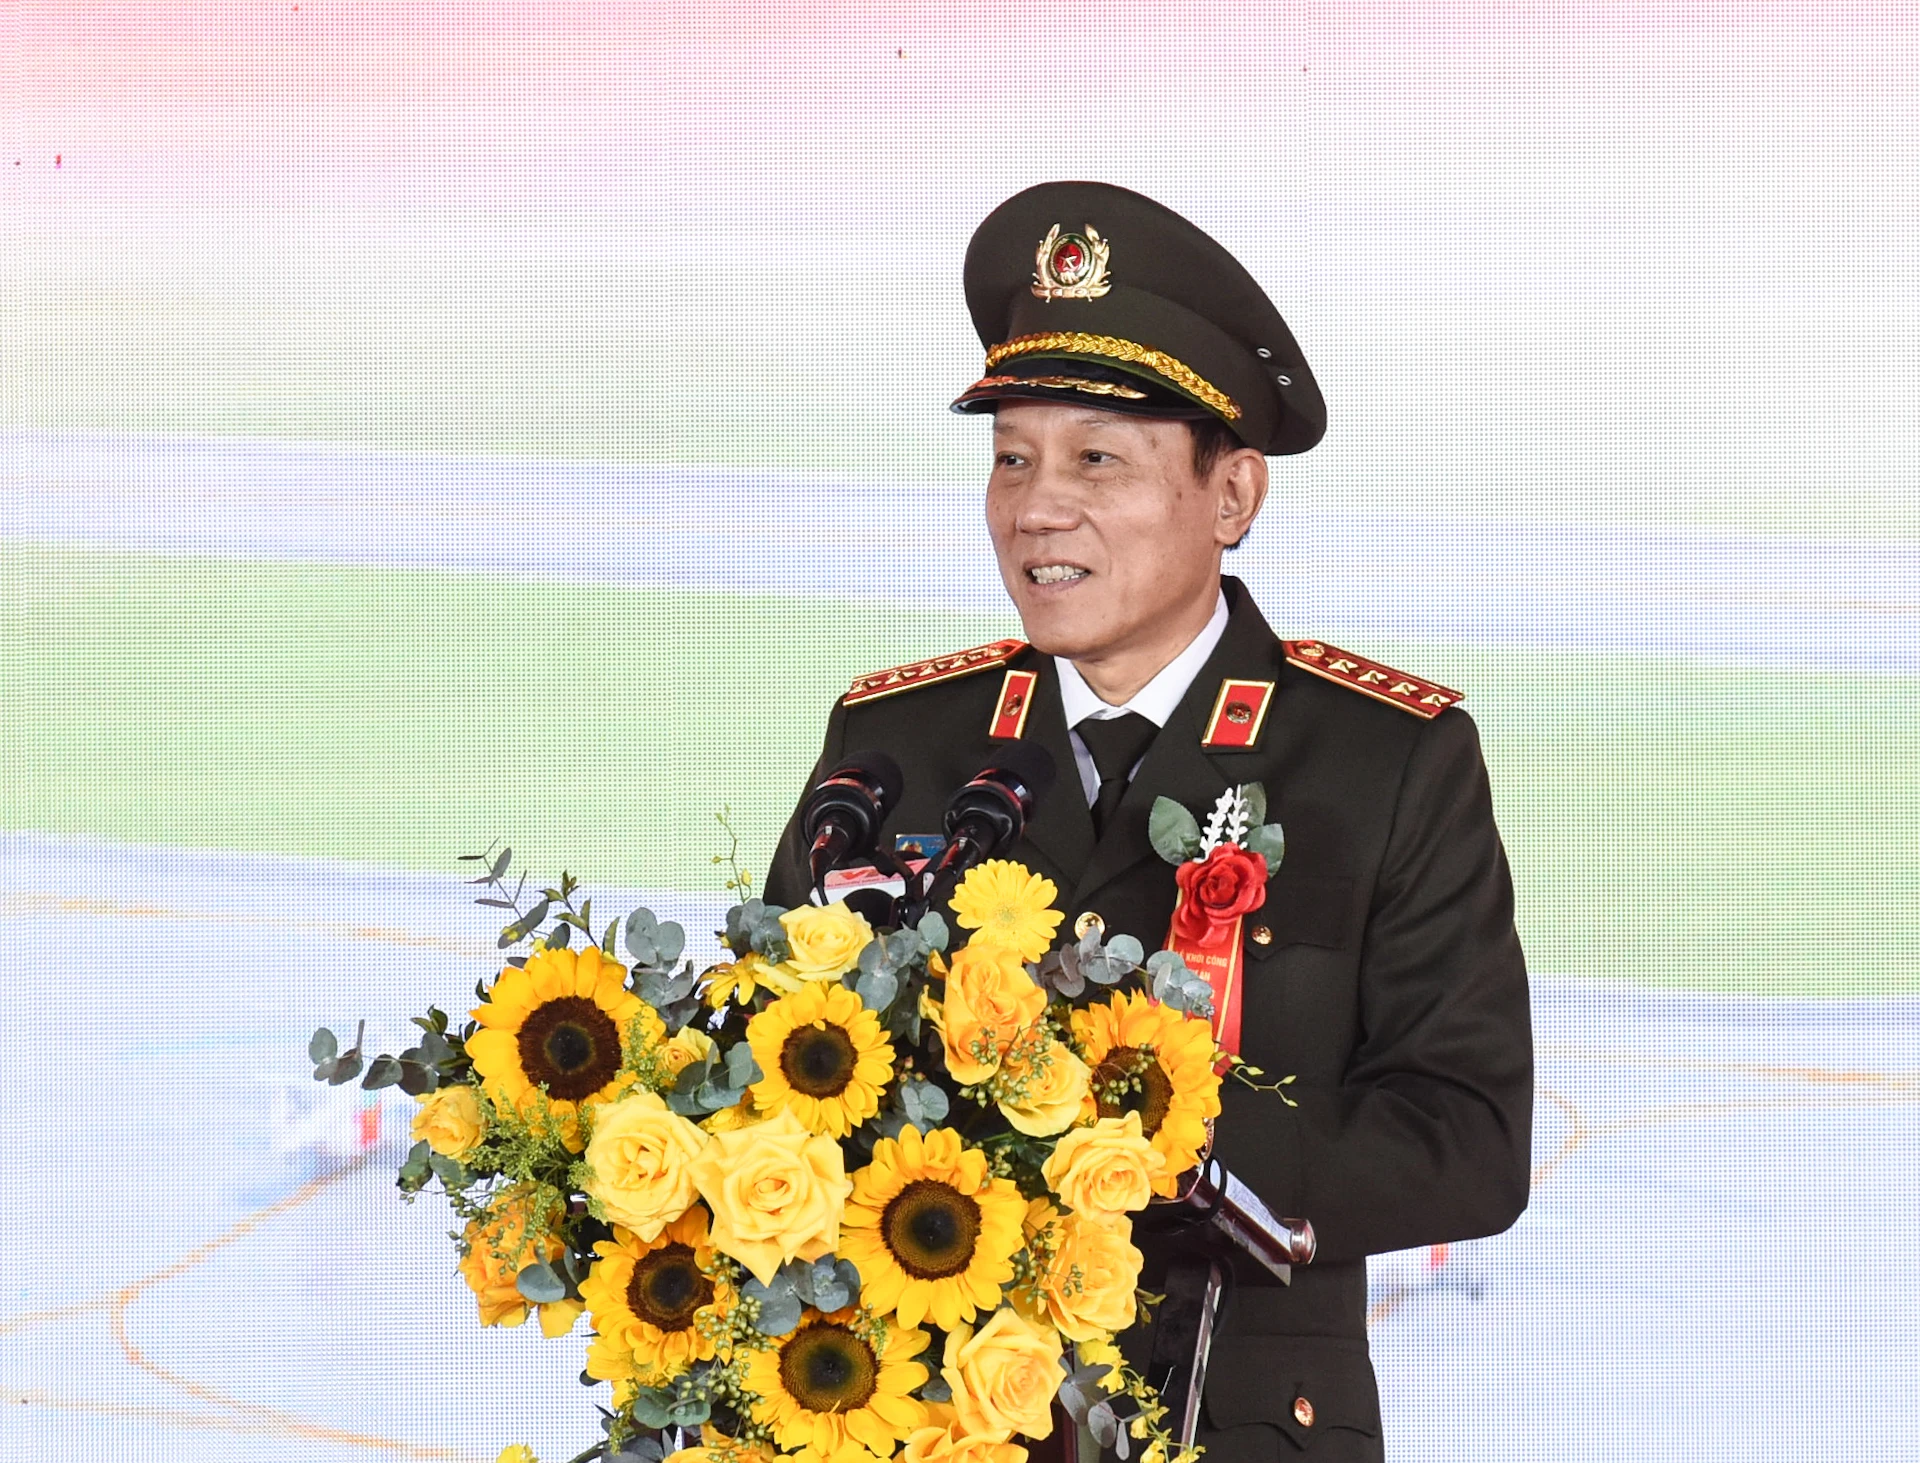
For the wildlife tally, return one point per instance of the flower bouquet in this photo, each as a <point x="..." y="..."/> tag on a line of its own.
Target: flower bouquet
<point x="841" y="1195"/>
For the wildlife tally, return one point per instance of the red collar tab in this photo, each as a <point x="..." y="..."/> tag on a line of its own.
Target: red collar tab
<point x="1010" y="711"/>
<point x="1239" y="712"/>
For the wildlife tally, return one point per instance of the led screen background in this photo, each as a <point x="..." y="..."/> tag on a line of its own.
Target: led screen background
<point x="434" y="423"/>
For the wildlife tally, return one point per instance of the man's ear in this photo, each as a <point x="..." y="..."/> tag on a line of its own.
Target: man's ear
<point x="1240" y="487"/>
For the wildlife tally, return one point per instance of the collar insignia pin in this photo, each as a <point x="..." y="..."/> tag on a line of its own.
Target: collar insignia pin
<point x="1069" y="266"/>
<point x="1239" y="712"/>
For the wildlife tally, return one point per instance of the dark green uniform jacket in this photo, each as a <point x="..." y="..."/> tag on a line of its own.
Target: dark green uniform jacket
<point x="1392" y="988"/>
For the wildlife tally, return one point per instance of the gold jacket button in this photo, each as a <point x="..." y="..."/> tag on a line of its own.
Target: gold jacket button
<point x="1303" y="1412"/>
<point x="1261" y="935"/>
<point x="1089" y="923"/>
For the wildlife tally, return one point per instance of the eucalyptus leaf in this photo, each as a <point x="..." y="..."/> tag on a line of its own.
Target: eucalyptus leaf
<point x="345" y="1068"/>
<point x="670" y="939"/>
<point x="384" y="1072"/>
<point x="1127" y="948"/>
<point x="933" y="929"/>
<point x="742" y="1069"/>
<point x="416" y="1165"/>
<point x="540" y="1284"/>
<point x="417" y="1080"/>
<point x="635" y="1448"/>
<point x="322" y="1046"/>
<point x="877" y="989"/>
<point x="689" y="1412"/>
<point x="500" y="864"/>
<point x="1173" y="831"/>
<point x="924" y="1104"/>
<point x="653" y="1407"/>
<point x="1101" y="1422"/>
<point x="450" y="1171"/>
<point x="936" y="1389"/>
<point x="779" y="1306"/>
<point x="696" y="1073"/>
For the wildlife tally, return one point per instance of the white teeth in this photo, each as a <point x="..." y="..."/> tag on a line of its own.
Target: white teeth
<point x="1055" y="573"/>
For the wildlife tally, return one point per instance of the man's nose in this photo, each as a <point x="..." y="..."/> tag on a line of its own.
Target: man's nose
<point x="1052" y="502"/>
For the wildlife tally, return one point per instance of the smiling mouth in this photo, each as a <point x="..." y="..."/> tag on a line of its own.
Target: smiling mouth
<point x="1056" y="573"/>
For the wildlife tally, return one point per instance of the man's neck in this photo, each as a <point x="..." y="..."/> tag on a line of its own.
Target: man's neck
<point x="1118" y="677"/>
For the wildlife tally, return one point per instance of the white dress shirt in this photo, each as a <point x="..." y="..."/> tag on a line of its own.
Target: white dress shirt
<point x="1156" y="700"/>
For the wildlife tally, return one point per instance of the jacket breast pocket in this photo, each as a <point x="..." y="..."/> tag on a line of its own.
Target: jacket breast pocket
<point x="1302" y="909"/>
<point x="1318" y="1391"/>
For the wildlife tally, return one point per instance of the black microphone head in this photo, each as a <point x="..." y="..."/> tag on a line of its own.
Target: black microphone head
<point x="878" y="771"/>
<point x="1029" y="762"/>
<point x="1003" y="793"/>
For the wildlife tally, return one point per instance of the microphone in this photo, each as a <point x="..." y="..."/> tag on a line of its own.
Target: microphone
<point x="842" y="815"/>
<point x="989" y="813"/>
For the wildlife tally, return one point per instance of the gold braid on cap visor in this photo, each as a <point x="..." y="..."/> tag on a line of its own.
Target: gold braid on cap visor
<point x="1079" y="344"/>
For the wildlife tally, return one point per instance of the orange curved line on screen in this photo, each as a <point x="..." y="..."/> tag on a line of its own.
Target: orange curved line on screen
<point x="20" y="905"/>
<point x="1891" y="1088"/>
<point x="253" y="1417"/>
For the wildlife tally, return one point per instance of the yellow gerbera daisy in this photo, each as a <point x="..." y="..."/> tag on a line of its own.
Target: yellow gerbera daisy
<point x="823" y="1056"/>
<point x="838" y="1389"/>
<point x="932" y="1235"/>
<point x="648" y="1301"/>
<point x="1150" y="1059"/>
<point x="558" y="1024"/>
<point x="1007" y="905"/>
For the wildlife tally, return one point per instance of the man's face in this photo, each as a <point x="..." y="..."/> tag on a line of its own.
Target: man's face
<point x="1107" y="540"/>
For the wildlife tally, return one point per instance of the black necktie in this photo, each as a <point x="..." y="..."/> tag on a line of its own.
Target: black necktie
<point x="1116" y="742"/>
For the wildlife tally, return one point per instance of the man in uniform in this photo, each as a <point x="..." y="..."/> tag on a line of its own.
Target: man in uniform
<point x="1139" y="379"/>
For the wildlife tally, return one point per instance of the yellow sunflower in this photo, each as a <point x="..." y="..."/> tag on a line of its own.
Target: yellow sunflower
<point x="1150" y="1059"/>
<point x="1007" y="906"/>
<point x="838" y="1388"/>
<point x="558" y="1024"/>
<point x="823" y="1056"/>
<point x="932" y="1235"/>
<point x="648" y="1301"/>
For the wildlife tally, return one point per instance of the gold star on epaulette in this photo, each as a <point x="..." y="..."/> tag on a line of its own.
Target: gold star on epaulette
<point x="1370" y="678"/>
<point x="930" y="672"/>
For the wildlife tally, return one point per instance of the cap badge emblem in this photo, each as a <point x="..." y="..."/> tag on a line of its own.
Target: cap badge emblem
<point x="1071" y="266"/>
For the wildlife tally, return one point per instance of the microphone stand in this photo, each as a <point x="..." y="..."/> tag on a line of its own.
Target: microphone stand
<point x="1231" y="1219"/>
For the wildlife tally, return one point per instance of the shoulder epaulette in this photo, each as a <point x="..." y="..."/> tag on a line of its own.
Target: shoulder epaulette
<point x="928" y="672"/>
<point x="1370" y="678"/>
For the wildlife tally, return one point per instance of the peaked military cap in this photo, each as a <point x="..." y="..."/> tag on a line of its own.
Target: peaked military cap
<point x="1092" y="293"/>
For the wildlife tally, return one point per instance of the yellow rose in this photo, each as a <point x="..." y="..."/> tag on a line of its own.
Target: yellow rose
<point x="1055" y="1090"/>
<point x="499" y="1247"/>
<point x="1103" y="1171"/>
<point x="449" y="1120"/>
<point x="954" y="1444"/>
<point x="641" y="1157"/>
<point x="826" y="940"/>
<point x="1003" y="1377"/>
<point x="776" y="1191"/>
<point x="989" y="1000"/>
<point x="685" y="1047"/>
<point x="1091" y="1277"/>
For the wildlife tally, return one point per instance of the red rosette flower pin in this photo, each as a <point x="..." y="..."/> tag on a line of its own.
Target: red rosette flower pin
<point x="1229" y="882"/>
